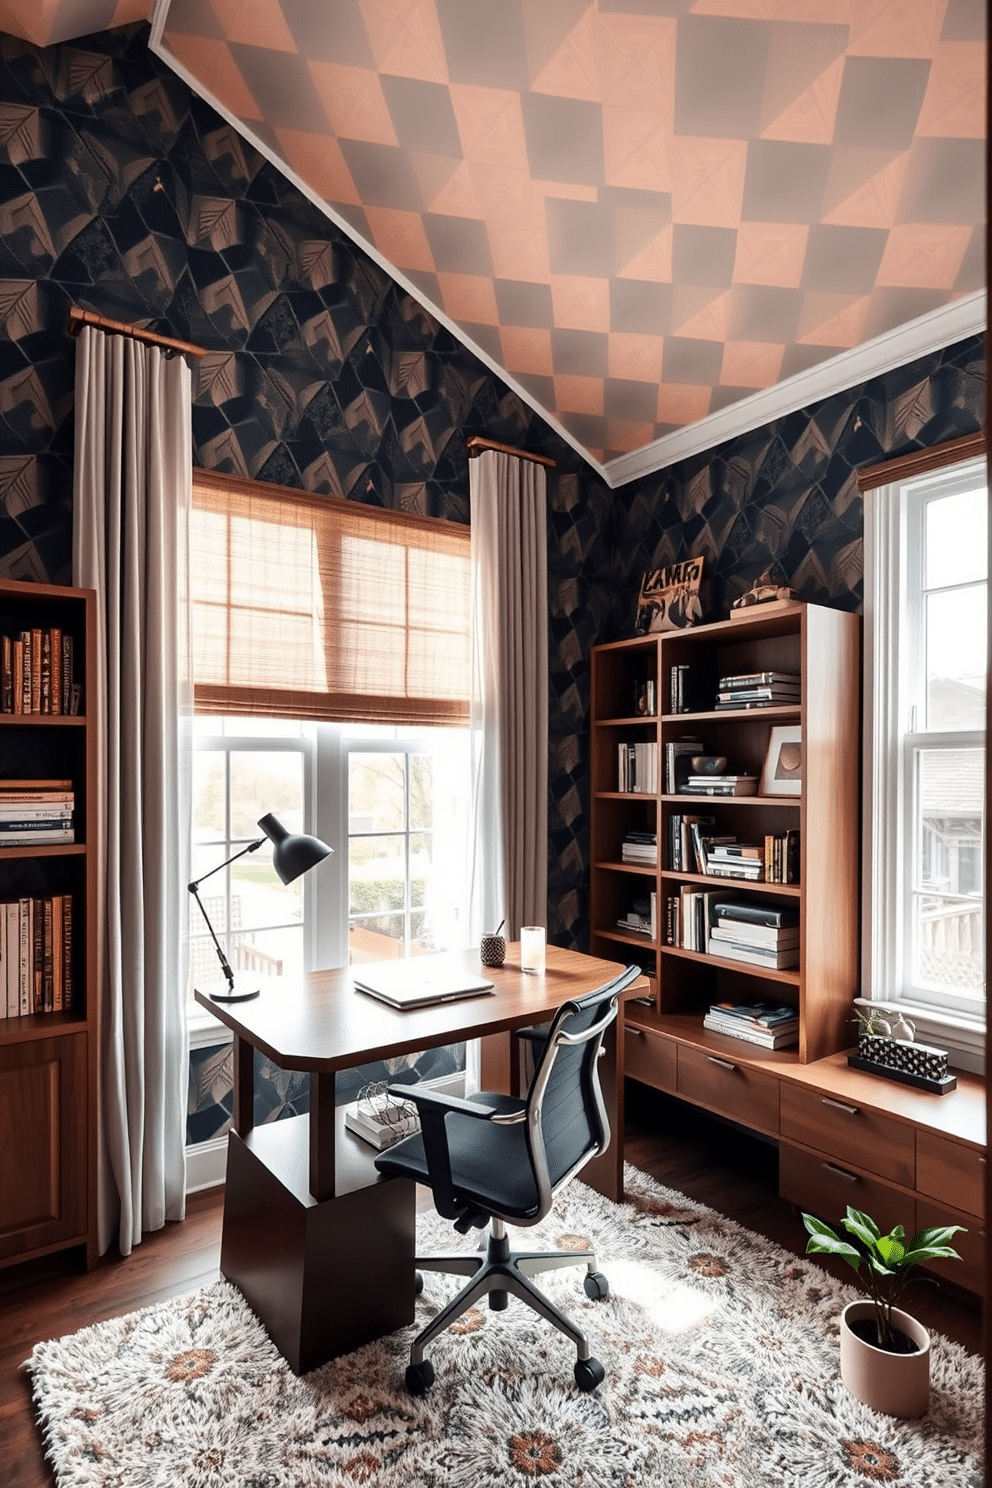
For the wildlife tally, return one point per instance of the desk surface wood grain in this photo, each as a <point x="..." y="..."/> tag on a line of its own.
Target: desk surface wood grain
<point x="323" y="1023"/>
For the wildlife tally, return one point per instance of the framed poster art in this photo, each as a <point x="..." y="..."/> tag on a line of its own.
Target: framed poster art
<point x="669" y="597"/>
<point x="782" y="774"/>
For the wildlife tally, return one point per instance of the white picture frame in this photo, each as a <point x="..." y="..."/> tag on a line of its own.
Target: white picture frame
<point x="782" y="773"/>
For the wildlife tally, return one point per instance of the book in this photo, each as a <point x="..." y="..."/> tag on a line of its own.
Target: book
<point x="68" y="661"/>
<point x="29" y="812"/>
<point x="766" y="1014"/>
<point x="47" y="962"/>
<point x="784" y="960"/>
<point x="39" y="837"/>
<point x="46" y="672"/>
<point x="68" y="991"/>
<point x="26" y="940"/>
<point x="748" y="1035"/>
<point x="384" y="1127"/>
<point x="17" y="648"/>
<point x="758" y="679"/>
<point x="9" y="995"/>
<point x="775" y="937"/>
<point x="26" y="678"/>
<point x="55" y="643"/>
<point x="758" y="914"/>
<point x="35" y="671"/>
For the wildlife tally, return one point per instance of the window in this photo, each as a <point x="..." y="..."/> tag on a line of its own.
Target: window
<point x="926" y="658"/>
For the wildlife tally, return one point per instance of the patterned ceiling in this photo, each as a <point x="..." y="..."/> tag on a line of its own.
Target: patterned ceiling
<point x="641" y="211"/>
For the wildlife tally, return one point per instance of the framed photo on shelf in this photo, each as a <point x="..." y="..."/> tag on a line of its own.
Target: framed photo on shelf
<point x="782" y="773"/>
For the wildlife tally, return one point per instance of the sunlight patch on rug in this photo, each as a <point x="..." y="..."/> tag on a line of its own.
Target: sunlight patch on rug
<point x="721" y="1364"/>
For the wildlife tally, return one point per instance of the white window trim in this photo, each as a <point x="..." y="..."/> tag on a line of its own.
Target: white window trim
<point x="883" y="835"/>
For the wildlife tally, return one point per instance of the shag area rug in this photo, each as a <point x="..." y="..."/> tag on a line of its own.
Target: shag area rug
<point x="721" y="1357"/>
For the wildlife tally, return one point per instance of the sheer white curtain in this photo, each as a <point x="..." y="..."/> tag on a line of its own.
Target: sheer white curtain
<point x="133" y="463"/>
<point x="509" y="693"/>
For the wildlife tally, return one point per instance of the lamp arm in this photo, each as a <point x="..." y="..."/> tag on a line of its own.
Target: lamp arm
<point x="252" y="847"/>
<point x="225" y="964"/>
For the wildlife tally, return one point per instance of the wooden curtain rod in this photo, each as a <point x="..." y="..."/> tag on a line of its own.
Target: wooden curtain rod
<point x="79" y="318"/>
<point x="476" y="444"/>
<point x="918" y="462"/>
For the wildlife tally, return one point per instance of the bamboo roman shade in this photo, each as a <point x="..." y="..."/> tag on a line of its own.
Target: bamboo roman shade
<point x="313" y="607"/>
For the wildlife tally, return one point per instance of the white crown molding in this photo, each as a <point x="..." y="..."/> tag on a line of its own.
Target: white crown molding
<point x="398" y="277"/>
<point x="930" y="332"/>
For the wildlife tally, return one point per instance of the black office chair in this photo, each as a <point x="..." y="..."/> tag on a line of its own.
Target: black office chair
<point x="496" y="1159"/>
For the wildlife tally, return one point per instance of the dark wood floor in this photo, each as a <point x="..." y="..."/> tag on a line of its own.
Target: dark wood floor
<point x="683" y="1149"/>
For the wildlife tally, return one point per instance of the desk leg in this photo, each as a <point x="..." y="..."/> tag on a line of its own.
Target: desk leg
<point x="322" y="1136"/>
<point x="605" y="1173"/>
<point x="494" y="1064"/>
<point x="244" y="1085"/>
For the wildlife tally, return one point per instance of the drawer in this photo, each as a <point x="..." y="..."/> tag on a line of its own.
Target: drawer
<point x="947" y="1170"/>
<point x="745" y="1095"/>
<point x="649" y="1057"/>
<point x="969" y="1271"/>
<point x="849" y="1133"/>
<point x="825" y="1188"/>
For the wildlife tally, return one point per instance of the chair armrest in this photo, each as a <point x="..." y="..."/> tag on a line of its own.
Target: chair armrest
<point x="440" y="1101"/>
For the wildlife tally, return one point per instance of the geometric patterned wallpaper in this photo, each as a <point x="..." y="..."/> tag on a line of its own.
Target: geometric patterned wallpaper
<point x="123" y="192"/>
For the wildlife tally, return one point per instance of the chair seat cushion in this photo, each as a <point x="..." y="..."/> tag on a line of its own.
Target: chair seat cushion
<point x="490" y="1168"/>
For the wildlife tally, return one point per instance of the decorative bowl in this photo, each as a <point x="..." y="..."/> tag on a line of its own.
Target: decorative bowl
<point x="709" y="764"/>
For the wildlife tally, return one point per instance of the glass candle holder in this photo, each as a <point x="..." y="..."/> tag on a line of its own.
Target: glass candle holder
<point x="533" y="949"/>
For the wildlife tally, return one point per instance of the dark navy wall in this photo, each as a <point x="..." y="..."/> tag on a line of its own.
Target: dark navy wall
<point x="785" y="497"/>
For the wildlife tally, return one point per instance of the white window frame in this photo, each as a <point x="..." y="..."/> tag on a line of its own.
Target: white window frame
<point x="892" y="524"/>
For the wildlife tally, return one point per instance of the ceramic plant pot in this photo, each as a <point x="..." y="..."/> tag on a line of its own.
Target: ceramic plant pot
<point x="895" y="1384"/>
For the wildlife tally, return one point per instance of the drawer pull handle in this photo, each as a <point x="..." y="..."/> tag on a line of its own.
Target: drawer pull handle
<point x="983" y="1234"/>
<point x="637" y="1032"/>
<point x="723" y="1063"/>
<point x="840" y="1173"/>
<point x="982" y="1160"/>
<point x="839" y="1106"/>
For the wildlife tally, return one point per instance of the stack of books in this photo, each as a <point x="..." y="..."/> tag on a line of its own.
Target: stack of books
<point x="762" y="1023"/>
<point x="731" y="859"/>
<point x="642" y="916"/>
<point x="381" y="1121"/>
<point x="36" y="956"/>
<point x="757" y="934"/>
<point x="640" y="848"/>
<point x="678" y="762"/>
<point x="36" y="673"/>
<point x="645" y="705"/>
<point x="758" y="690"/>
<point x="36" y="812"/>
<point x="637" y="767"/>
<point x="719" y="785"/>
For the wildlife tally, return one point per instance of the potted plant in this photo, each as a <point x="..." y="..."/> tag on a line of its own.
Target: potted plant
<point x="884" y="1352"/>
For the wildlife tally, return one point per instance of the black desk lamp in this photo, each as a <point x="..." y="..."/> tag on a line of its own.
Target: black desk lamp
<point x="293" y="853"/>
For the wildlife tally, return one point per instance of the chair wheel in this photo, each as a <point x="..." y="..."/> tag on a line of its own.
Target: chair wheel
<point x="418" y="1282"/>
<point x="420" y="1377"/>
<point x="596" y="1285"/>
<point x="588" y="1373"/>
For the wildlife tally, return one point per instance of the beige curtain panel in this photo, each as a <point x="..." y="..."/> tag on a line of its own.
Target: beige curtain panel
<point x="313" y="607"/>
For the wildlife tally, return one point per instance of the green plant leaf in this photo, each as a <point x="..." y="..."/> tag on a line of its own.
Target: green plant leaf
<point x="868" y="1237"/>
<point x="816" y="1226"/>
<point x="891" y="1250"/>
<point x="935" y="1235"/>
<point x="829" y="1244"/>
<point x="864" y="1220"/>
<point x="930" y="1253"/>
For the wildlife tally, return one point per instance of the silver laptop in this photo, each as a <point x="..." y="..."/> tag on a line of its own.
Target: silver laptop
<point x="404" y="985"/>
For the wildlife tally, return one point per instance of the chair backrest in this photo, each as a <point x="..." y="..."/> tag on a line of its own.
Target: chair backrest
<point x="566" y="1116"/>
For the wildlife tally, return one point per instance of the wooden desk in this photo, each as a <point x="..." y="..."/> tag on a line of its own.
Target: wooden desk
<point x="322" y="1245"/>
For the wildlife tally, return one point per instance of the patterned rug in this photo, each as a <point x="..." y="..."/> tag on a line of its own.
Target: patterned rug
<point x="721" y="1372"/>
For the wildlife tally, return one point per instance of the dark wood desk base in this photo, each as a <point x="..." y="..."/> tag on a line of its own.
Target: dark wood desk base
<point x="323" y="1277"/>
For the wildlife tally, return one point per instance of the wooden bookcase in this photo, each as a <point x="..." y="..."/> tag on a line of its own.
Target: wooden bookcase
<point x="822" y="646"/>
<point x="48" y="1061"/>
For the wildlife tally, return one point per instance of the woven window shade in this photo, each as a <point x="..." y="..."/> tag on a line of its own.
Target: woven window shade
<point x="312" y="607"/>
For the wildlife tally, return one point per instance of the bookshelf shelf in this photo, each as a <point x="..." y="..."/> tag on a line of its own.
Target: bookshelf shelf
<point x="822" y="647"/>
<point x="48" y="1060"/>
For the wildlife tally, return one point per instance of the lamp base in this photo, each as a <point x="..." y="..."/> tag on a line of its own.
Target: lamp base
<point x="236" y="996"/>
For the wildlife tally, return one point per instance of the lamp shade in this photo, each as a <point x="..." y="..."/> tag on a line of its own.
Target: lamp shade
<point x="293" y="853"/>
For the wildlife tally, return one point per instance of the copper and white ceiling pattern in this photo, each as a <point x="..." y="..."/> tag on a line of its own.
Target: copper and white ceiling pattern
<point x="643" y="211"/>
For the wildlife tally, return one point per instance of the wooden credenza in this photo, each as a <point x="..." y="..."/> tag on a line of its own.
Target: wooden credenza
<point x="844" y="1137"/>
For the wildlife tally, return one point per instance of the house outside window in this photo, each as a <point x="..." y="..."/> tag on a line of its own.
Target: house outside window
<point x="924" y="785"/>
